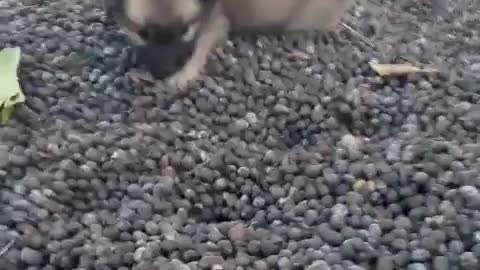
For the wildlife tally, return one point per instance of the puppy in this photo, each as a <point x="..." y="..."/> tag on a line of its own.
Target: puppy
<point x="206" y="23"/>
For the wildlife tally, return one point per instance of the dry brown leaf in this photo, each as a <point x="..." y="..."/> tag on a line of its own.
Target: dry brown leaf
<point x="399" y="69"/>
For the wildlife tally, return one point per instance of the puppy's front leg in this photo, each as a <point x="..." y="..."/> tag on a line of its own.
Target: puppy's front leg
<point x="212" y="31"/>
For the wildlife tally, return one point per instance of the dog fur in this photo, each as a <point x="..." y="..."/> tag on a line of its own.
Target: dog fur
<point x="209" y="22"/>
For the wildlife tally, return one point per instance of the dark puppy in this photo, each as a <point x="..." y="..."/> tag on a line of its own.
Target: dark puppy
<point x="160" y="55"/>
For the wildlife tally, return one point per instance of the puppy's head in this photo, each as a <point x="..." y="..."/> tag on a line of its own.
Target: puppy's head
<point x="173" y="20"/>
<point x="161" y="59"/>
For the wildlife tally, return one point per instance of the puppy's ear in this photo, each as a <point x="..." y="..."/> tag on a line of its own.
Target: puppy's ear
<point x="110" y="6"/>
<point x="138" y="11"/>
<point x="186" y="10"/>
<point x="189" y="36"/>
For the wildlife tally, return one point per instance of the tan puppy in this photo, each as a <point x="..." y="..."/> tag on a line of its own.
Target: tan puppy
<point x="208" y="22"/>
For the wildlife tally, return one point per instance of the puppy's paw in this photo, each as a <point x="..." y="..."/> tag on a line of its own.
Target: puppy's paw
<point x="137" y="75"/>
<point x="182" y="78"/>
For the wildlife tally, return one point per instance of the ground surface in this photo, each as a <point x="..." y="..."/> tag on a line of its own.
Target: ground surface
<point x="294" y="154"/>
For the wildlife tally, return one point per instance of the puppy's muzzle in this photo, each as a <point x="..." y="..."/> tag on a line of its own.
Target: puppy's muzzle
<point x="161" y="61"/>
<point x="164" y="52"/>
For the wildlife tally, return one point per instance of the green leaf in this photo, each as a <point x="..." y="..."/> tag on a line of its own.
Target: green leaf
<point x="10" y="92"/>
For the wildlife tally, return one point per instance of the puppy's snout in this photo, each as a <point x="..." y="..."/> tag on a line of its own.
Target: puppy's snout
<point x="166" y="49"/>
<point x="160" y="60"/>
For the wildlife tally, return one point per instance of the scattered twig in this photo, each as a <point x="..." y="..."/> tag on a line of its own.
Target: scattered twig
<point x="7" y="247"/>
<point x="357" y="34"/>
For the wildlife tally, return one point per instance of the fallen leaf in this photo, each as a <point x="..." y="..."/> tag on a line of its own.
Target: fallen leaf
<point x="10" y="92"/>
<point x="399" y="69"/>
